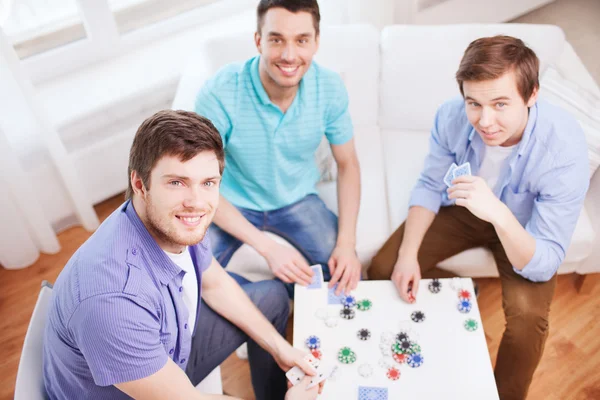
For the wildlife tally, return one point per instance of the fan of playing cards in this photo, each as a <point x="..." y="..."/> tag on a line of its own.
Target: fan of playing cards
<point x="456" y="171"/>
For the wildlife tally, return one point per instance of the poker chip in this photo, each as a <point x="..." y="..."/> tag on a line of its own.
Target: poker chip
<point x="346" y="355"/>
<point x="464" y="306"/>
<point x="385" y="349"/>
<point x="313" y="342"/>
<point x="402" y="337"/>
<point x="321" y="313"/>
<point x="347" y="313"/>
<point x="414" y="348"/>
<point x="365" y="370"/>
<point x="331" y="322"/>
<point x="384" y="363"/>
<point x="417" y="316"/>
<point x="387" y="338"/>
<point x="348" y="301"/>
<point x="464" y="294"/>
<point x="400" y="358"/>
<point x="393" y="374"/>
<point x="398" y="349"/>
<point x="435" y="286"/>
<point x="363" y="334"/>
<point x="317" y="354"/>
<point x="364" y="305"/>
<point x="456" y="283"/>
<point x="415" y="360"/>
<point x="471" y="325"/>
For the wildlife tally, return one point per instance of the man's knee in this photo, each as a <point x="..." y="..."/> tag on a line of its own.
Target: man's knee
<point x="381" y="268"/>
<point x="524" y="318"/>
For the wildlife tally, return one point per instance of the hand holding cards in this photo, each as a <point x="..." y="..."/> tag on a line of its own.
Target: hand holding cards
<point x="323" y="368"/>
<point x="456" y="171"/>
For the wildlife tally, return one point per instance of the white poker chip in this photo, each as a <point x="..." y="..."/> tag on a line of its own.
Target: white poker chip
<point x="332" y="322"/>
<point x="388" y="338"/>
<point x="386" y="350"/>
<point x="385" y="363"/>
<point x="365" y="370"/>
<point x="321" y="313"/>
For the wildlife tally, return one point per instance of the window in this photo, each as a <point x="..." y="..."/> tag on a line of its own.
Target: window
<point x="134" y="14"/>
<point x="35" y="26"/>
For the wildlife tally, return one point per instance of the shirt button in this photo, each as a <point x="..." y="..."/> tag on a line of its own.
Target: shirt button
<point x="171" y="351"/>
<point x="134" y="252"/>
<point x="182" y="361"/>
<point x="185" y="326"/>
<point x="180" y="289"/>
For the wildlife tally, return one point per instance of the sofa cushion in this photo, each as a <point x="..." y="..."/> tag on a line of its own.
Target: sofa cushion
<point x="583" y="104"/>
<point x="418" y="65"/>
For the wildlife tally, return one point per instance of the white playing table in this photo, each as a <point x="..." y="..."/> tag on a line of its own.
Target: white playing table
<point x="456" y="362"/>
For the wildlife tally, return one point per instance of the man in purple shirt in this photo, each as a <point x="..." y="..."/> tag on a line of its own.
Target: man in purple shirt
<point x="143" y="309"/>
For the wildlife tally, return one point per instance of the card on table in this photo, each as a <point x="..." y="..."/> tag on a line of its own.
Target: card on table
<point x="372" y="393"/>
<point x="317" y="279"/>
<point x="332" y="298"/>
<point x="450" y="174"/>
<point x="462" y="170"/>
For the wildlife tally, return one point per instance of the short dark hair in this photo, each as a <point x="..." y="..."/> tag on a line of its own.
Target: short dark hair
<point x="310" y="6"/>
<point x="175" y="133"/>
<point x="491" y="57"/>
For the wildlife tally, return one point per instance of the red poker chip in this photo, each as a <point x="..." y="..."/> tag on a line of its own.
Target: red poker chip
<point x="393" y="374"/>
<point x="464" y="294"/>
<point x="400" y="358"/>
<point x="317" y="354"/>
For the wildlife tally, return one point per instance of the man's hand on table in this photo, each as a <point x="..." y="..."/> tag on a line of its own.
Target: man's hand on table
<point x="345" y="268"/>
<point x="407" y="275"/>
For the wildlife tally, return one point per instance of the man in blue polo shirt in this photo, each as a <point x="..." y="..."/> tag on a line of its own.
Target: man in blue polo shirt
<point x="126" y="317"/>
<point x="272" y="112"/>
<point x="530" y="175"/>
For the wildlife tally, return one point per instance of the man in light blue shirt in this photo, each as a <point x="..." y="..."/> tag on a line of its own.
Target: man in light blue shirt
<point x="529" y="177"/>
<point x="273" y="112"/>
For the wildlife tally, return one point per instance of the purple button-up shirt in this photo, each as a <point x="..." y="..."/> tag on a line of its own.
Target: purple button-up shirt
<point x="117" y="313"/>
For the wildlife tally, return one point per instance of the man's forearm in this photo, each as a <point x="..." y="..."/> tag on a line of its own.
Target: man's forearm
<point x="348" y="192"/>
<point x="231" y="220"/>
<point x="417" y="223"/>
<point x="228" y="299"/>
<point x="518" y="244"/>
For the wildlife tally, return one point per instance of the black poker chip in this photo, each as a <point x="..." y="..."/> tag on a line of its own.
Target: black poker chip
<point x="347" y="313"/>
<point x="363" y="334"/>
<point x="402" y="337"/>
<point x="418" y="316"/>
<point x="435" y="286"/>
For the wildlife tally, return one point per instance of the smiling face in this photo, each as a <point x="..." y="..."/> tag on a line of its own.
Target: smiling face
<point x="496" y="109"/>
<point x="287" y="43"/>
<point x="180" y="201"/>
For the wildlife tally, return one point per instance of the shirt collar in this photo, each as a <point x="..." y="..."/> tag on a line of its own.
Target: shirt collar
<point x="161" y="265"/>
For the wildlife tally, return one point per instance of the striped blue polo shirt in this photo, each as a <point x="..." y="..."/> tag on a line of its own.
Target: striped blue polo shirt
<point x="270" y="156"/>
<point x="117" y="312"/>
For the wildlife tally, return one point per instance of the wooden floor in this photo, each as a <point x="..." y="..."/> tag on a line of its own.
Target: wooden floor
<point x="570" y="367"/>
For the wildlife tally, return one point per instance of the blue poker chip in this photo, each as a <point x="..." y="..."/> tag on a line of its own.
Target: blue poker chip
<point x="464" y="306"/>
<point x="313" y="342"/>
<point x="348" y="301"/>
<point x="415" y="360"/>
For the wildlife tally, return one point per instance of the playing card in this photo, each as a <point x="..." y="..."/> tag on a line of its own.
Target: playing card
<point x="317" y="279"/>
<point x="461" y="170"/>
<point x="295" y="375"/>
<point x="331" y="296"/>
<point x="450" y="174"/>
<point x="324" y="371"/>
<point x="372" y="393"/>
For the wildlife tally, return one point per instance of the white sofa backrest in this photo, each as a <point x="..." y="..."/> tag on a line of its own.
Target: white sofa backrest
<point x="418" y="65"/>
<point x="350" y="50"/>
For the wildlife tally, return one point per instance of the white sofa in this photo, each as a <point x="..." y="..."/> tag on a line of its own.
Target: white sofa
<point x="396" y="79"/>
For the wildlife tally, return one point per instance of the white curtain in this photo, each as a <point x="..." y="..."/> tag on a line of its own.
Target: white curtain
<point x="25" y="230"/>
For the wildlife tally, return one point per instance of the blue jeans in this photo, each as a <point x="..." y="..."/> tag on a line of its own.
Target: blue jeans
<point x="308" y="225"/>
<point x="216" y="338"/>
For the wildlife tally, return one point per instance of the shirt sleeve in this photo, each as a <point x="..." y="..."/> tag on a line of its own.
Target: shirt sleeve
<point x="554" y="217"/>
<point x="118" y="337"/>
<point x="210" y="106"/>
<point x="339" y="129"/>
<point x="430" y="187"/>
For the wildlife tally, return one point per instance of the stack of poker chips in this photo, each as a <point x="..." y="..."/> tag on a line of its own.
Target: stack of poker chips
<point x="314" y="344"/>
<point x="406" y="350"/>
